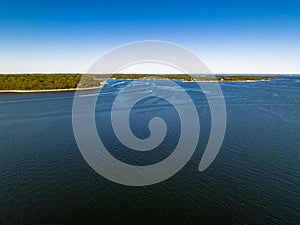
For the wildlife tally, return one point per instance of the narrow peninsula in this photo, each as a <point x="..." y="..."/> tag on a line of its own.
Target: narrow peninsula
<point x="71" y="82"/>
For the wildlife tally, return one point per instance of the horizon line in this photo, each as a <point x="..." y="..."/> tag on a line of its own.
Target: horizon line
<point x="75" y="73"/>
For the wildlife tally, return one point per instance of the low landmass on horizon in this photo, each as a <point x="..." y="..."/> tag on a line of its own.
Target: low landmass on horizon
<point x="62" y="82"/>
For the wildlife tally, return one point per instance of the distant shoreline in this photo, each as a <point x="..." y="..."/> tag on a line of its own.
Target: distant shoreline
<point x="94" y="88"/>
<point x="37" y="83"/>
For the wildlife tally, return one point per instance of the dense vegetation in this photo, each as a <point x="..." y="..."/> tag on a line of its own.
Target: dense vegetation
<point x="66" y="81"/>
<point x="186" y="77"/>
<point x="238" y="78"/>
<point x="44" y="82"/>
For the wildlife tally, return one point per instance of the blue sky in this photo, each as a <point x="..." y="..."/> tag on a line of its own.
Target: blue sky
<point x="229" y="36"/>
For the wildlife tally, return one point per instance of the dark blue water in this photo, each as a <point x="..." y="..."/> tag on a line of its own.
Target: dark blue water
<point x="254" y="179"/>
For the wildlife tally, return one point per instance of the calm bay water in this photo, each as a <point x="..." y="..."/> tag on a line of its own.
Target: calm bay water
<point x="254" y="179"/>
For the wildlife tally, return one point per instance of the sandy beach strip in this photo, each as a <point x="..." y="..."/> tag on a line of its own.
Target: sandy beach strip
<point x="48" y="90"/>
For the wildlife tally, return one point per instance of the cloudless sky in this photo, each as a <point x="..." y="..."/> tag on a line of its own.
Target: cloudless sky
<point x="229" y="36"/>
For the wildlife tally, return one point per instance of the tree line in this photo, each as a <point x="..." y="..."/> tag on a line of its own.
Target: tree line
<point x="44" y="81"/>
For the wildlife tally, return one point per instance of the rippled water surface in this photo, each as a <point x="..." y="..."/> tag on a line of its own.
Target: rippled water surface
<point x="254" y="179"/>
